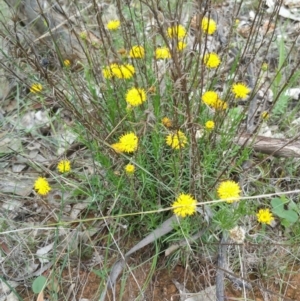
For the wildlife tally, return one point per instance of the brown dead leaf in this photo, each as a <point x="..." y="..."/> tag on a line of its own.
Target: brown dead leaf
<point x="40" y="296"/>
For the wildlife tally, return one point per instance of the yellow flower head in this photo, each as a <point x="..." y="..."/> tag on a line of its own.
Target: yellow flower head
<point x="208" y="25"/>
<point x="36" y="88"/>
<point x="136" y="96"/>
<point x="184" y="205"/>
<point x="264" y="216"/>
<point x="129" y="169"/>
<point x="210" y="98"/>
<point x="176" y="140"/>
<point x="117" y="147"/>
<point x="167" y="122"/>
<point x="209" y="125"/>
<point x="162" y="53"/>
<point x="265" y="115"/>
<point x="229" y="189"/>
<point x="176" y="32"/>
<point x="113" y="25"/>
<point x="122" y="71"/>
<point x="67" y="63"/>
<point x="42" y="186"/>
<point x="64" y="166"/>
<point x="220" y="105"/>
<point x="240" y="90"/>
<point x="107" y="72"/>
<point x="137" y="52"/>
<point x="211" y="60"/>
<point x="181" y="46"/>
<point x="129" y="142"/>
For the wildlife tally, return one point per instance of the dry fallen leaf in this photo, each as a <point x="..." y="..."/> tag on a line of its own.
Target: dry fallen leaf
<point x="40" y="296"/>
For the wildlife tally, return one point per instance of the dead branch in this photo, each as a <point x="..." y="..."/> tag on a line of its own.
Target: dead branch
<point x="272" y="146"/>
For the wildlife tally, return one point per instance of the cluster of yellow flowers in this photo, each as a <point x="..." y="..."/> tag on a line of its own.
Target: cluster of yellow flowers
<point x="185" y="204"/>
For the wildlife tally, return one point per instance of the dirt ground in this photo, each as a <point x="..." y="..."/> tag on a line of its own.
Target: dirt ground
<point x="161" y="286"/>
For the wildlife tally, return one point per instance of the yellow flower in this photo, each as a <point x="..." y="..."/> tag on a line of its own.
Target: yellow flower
<point x="228" y="190"/>
<point x="36" y="88"/>
<point x="135" y="96"/>
<point x="162" y="53"/>
<point x="129" y="142"/>
<point x="167" y="122"/>
<point x="240" y="90"/>
<point x="129" y="169"/>
<point x="137" y="52"/>
<point x="42" y="186"/>
<point x="177" y="31"/>
<point x="67" y="63"/>
<point x="107" y="72"/>
<point x="176" y="140"/>
<point x="265" y="115"/>
<point x="181" y="46"/>
<point x="208" y="25"/>
<point x="264" y="216"/>
<point x="220" y="105"/>
<point x="210" y="98"/>
<point x="113" y="25"/>
<point x="117" y="147"/>
<point x="209" y="125"/>
<point x="122" y="71"/>
<point x="64" y="166"/>
<point x="184" y="205"/>
<point x="211" y="60"/>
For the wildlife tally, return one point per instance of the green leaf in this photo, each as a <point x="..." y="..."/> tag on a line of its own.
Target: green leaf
<point x="277" y="204"/>
<point x="39" y="284"/>
<point x="285" y="223"/>
<point x="289" y="215"/>
<point x="293" y="206"/>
